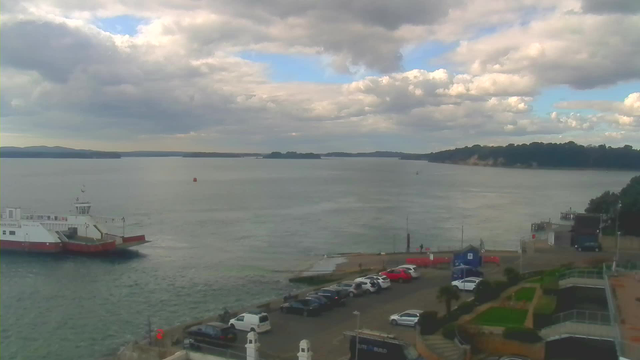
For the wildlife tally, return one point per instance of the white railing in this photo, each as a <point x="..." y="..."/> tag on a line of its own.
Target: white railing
<point x="613" y="311"/>
<point x="583" y="316"/>
<point x="582" y="274"/>
<point x="44" y="217"/>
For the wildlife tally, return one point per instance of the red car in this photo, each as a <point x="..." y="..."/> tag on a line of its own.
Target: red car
<point x="398" y="275"/>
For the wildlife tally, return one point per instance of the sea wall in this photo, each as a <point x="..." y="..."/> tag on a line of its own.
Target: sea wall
<point x="627" y="243"/>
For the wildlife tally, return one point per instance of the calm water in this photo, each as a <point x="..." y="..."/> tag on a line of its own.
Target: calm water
<point x="225" y="240"/>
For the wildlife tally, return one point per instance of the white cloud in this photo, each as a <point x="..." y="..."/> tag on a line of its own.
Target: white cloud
<point x="180" y="79"/>
<point x="583" y="51"/>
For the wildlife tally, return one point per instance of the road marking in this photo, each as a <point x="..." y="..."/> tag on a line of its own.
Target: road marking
<point x="337" y="340"/>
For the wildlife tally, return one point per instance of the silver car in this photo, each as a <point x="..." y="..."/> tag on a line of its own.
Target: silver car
<point x="409" y="318"/>
<point x="354" y="288"/>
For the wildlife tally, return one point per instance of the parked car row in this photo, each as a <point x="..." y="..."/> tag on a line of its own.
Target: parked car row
<point x="314" y="303"/>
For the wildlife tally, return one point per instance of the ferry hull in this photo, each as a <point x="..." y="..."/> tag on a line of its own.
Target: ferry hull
<point x="30" y="246"/>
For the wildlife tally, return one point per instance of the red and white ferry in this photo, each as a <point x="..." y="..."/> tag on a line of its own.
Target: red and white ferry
<point x="78" y="232"/>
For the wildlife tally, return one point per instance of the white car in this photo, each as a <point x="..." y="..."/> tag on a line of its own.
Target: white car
<point x="468" y="284"/>
<point x="251" y="321"/>
<point x="368" y="285"/>
<point x="409" y="318"/>
<point x="383" y="280"/>
<point x="412" y="269"/>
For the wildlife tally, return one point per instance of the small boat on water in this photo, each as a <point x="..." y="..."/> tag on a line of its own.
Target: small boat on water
<point x="79" y="232"/>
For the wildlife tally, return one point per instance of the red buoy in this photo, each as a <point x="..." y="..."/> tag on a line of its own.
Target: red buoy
<point x="195" y="179"/>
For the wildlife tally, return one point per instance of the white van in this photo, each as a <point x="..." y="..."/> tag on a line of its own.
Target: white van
<point x="251" y="321"/>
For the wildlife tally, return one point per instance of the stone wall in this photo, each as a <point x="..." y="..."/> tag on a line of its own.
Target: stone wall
<point x="627" y="243"/>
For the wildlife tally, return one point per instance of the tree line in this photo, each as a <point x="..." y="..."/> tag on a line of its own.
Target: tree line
<point x="538" y="154"/>
<point x="623" y="205"/>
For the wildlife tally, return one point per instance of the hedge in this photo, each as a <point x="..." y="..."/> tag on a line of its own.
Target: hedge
<point x="485" y="292"/>
<point x="449" y="331"/>
<point x="429" y="322"/>
<point x="522" y="334"/>
<point x="500" y="286"/>
<point x="546" y="305"/>
<point x="549" y="284"/>
<point x="465" y="307"/>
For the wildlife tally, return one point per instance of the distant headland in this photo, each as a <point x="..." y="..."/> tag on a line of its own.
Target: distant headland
<point x="539" y="155"/>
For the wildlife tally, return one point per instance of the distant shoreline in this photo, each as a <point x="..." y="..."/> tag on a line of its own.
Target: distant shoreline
<point x="525" y="167"/>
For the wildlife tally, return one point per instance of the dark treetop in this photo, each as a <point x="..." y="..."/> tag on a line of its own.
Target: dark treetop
<point x="537" y="154"/>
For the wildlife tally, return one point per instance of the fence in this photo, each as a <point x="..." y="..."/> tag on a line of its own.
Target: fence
<point x="582" y="274"/>
<point x="583" y="316"/>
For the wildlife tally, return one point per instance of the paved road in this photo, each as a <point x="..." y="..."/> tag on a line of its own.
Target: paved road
<point x="325" y="331"/>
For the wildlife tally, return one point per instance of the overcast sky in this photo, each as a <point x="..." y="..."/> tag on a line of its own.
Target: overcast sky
<point x="321" y="75"/>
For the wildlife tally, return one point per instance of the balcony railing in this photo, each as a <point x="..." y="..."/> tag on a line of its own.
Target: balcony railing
<point x="583" y="316"/>
<point x="582" y="274"/>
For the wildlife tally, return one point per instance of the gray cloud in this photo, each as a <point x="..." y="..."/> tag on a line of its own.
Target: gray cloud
<point x="611" y="6"/>
<point x="583" y="51"/>
<point x="181" y="82"/>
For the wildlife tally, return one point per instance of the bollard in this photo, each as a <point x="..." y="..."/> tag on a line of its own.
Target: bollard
<point x="252" y="346"/>
<point x="305" y="350"/>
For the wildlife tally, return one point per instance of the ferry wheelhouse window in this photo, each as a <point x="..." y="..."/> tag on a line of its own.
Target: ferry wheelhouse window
<point x="12" y="232"/>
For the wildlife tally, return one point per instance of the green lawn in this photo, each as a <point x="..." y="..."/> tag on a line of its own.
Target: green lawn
<point x="525" y="294"/>
<point x="535" y="280"/>
<point x="503" y="317"/>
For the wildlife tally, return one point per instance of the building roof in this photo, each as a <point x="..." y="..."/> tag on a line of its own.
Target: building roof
<point x="467" y="248"/>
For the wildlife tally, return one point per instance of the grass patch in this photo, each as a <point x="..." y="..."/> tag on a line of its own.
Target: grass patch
<point x="524" y="294"/>
<point x="535" y="280"/>
<point x="503" y="317"/>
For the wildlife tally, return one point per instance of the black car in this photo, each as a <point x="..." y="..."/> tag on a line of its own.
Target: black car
<point x="324" y="303"/>
<point x="303" y="307"/>
<point x="593" y="246"/>
<point x="342" y="293"/>
<point x="332" y="295"/>
<point x="212" y="334"/>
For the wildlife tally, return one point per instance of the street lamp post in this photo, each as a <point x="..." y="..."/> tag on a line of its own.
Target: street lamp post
<point x="357" y="314"/>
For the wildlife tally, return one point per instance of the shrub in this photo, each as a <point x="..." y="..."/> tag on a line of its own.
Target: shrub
<point x="546" y="305"/>
<point x="512" y="275"/>
<point x="448" y="294"/>
<point x="485" y="292"/>
<point x="453" y="316"/>
<point x="500" y="286"/>
<point x="465" y="307"/>
<point x="449" y="331"/>
<point x="532" y="274"/>
<point x="549" y="284"/>
<point x="429" y="322"/>
<point x="522" y="334"/>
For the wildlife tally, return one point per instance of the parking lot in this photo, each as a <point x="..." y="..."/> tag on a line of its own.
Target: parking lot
<point x="325" y="331"/>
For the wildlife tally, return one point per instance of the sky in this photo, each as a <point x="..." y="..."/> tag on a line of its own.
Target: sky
<point x="302" y="75"/>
